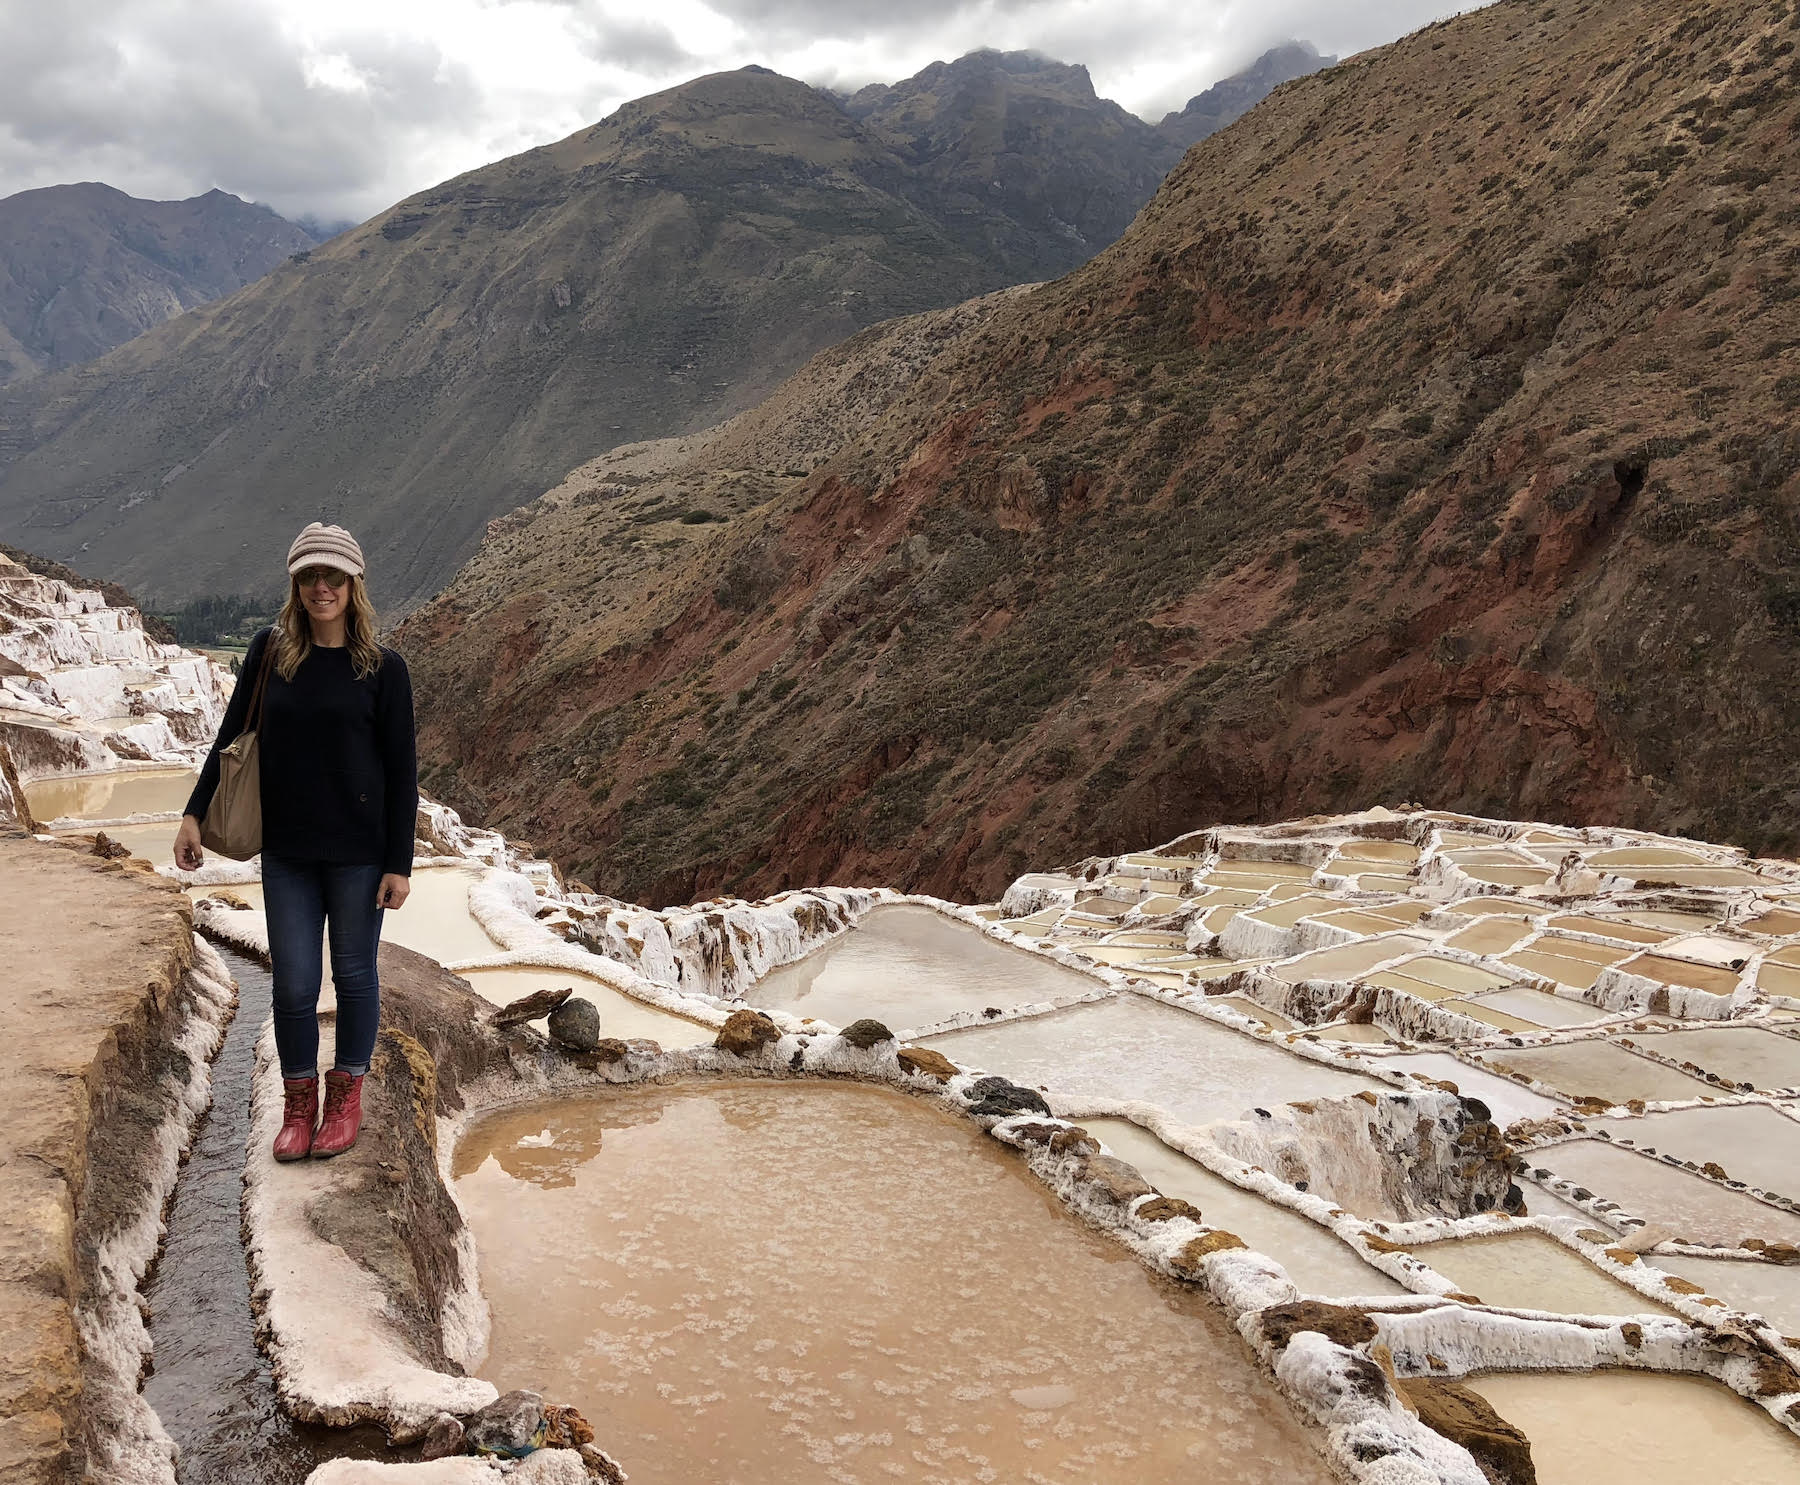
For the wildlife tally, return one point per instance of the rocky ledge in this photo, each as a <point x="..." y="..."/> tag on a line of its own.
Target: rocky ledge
<point x="109" y="1013"/>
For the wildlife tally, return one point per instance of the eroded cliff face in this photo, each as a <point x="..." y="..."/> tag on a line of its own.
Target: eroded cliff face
<point x="1426" y="437"/>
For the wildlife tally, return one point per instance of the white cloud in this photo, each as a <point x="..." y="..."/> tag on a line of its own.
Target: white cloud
<point x="337" y="108"/>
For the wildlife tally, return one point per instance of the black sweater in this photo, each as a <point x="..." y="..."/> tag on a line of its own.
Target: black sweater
<point x="339" y="777"/>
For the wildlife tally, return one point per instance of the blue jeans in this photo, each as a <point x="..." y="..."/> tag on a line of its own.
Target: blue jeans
<point x="301" y="898"/>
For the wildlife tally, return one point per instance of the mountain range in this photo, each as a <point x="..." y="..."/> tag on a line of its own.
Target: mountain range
<point x="84" y="268"/>
<point x="1429" y="436"/>
<point x="455" y="356"/>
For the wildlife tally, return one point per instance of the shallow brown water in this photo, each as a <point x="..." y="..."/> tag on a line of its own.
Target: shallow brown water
<point x="780" y="1282"/>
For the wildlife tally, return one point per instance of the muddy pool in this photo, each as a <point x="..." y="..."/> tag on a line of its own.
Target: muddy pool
<point x="1641" y="1428"/>
<point x="110" y="796"/>
<point x="776" y="1282"/>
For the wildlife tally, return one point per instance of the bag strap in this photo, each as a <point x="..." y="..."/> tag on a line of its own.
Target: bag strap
<point x="253" y="717"/>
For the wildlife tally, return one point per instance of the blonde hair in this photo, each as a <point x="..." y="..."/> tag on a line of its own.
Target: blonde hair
<point x="293" y="631"/>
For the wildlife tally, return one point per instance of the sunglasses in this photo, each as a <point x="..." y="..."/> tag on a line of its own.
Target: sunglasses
<point x="307" y="576"/>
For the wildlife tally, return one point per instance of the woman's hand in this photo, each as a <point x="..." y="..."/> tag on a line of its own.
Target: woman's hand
<point x="188" y="855"/>
<point x="393" y="891"/>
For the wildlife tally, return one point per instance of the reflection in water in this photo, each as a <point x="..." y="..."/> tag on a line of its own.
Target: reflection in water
<point x="756" y="1282"/>
<point x="912" y="967"/>
<point x="111" y="796"/>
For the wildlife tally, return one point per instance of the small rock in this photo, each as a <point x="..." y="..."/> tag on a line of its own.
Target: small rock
<point x="610" y="1049"/>
<point x="601" y="1465"/>
<point x="1633" y="1334"/>
<point x="444" y="1437"/>
<point x="575" y="1024"/>
<point x="511" y="1425"/>
<point x="1118" y="1182"/>
<point x="1073" y="1141"/>
<point x="1466" y="1417"/>
<point x="109" y="849"/>
<point x="745" y="1033"/>
<point x="1002" y="1098"/>
<point x="230" y="900"/>
<point x="923" y="1061"/>
<point x="1347" y="1327"/>
<point x="566" y="1428"/>
<point x="866" y="1034"/>
<point x="531" y="1007"/>
<point x="1190" y="1262"/>
<point x="1167" y="1208"/>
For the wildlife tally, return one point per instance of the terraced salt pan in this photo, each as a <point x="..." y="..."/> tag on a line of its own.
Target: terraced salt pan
<point x="1692" y="1208"/>
<point x="620" y="1015"/>
<point x="1539" y="1009"/>
<point x="1764" y="1059"/>
<point x="1767" y="1289"/>
<point x="1315" y="1259"/>
<point x="1599" y="1069"/>
<point x="1500" y="1020"/>
<point x="1753" y="1142"/>
<point x="1346" y="1031"/>
<point x="1618" y="928"/>
<point x="1531" y="1271"/>
<point x="1577" y="974"/>
<point x="1127" y="1049"/>
<point x="913" y="966"/>
<point x="1346" y="961"/>
<point x="768" y="1283"/>
<point x="1490" y="935"/>
<point x="436" y="920"/>
<point x="1506" y="1099"/>
<point x="1681" y="972"/>
<point x="111" y="796"/>
<point x="1451" y="975"/>
<point x="1641" y="1428"/>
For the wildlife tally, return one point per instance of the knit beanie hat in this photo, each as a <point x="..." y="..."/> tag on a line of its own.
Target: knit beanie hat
<point x="327" y="546"/>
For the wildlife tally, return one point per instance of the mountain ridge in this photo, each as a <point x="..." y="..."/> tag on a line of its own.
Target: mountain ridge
<point x="1428" y="436"/>
<point x="455" y="356"/>
<point x="85" y="267"/>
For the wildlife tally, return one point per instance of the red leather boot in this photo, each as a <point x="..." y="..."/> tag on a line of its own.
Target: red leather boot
<point x="343" y="1115"/>
<point x="300" y="1109"/>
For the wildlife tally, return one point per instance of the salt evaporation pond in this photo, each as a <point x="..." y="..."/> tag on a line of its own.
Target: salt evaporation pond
<point x="1601" y="1070"/>
<point x="111" y="796"/>
<point x="913" y="967"/>
<point x="776" y="1282"/>
<point x="1744" y="1054"/>
<point x="1771" y="1290"/>
<point x="1691" y="1207"/>
<point x="1529" y="1271"/>
<point x="436" y="920"/>
<point x="1130" y="1048"/>
<point x="1315" y="1259"/>
<point x="1753" y="1142"/>
<point x="1505" y="1099"/>
<point x="1640" y="1428"/>
<point x="620" y="1015"/>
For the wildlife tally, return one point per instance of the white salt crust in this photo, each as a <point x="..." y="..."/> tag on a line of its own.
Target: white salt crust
<point x="132" y="1447"/>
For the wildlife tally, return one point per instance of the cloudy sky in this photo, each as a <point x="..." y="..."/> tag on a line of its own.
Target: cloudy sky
<point x="337" y="108"/>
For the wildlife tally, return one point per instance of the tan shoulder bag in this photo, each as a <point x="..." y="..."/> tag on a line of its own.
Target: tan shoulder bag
<point x="233" y="825"/>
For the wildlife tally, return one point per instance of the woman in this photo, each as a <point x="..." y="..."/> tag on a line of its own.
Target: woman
<point x="339" y="795"/>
